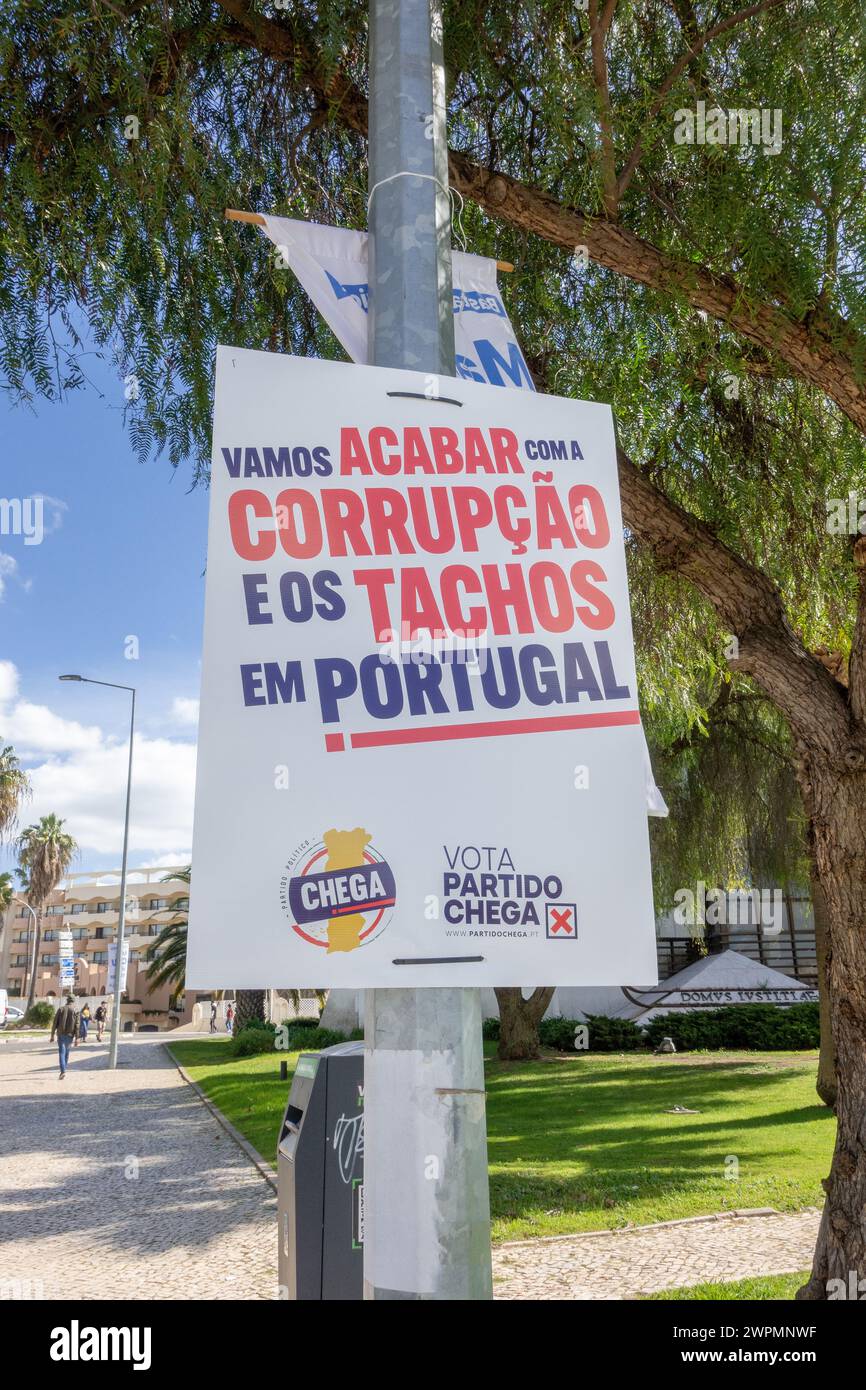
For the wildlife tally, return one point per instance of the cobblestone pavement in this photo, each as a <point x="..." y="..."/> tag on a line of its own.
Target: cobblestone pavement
<point x="625" y="1264"/>
<point x="197" y="1222"/>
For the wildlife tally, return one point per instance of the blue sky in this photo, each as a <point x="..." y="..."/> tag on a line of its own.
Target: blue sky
<point x="123" y="556"/>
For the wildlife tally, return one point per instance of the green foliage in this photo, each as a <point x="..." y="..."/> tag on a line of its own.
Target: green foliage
<point x="257" y="1037"/>
<point x="40" y="1014"/>
<point x="756" y="1026"/>
<point x="763" y="1027"/>
<point x="313" y="1039"/>
<point x="603" y="1034"/>
<point x="253" y="1039"/>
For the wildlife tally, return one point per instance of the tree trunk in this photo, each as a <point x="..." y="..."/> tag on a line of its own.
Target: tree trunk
<point x="826" y="1083"/>
<point x="837" y="806"/>
<point x="249" y="1007"/>
<point x="518" y="1022"/>
<point x="36" y="947"/>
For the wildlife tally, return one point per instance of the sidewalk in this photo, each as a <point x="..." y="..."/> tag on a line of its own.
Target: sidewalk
<point x="122" y="1185"/>
<point x="625" y="1264"/>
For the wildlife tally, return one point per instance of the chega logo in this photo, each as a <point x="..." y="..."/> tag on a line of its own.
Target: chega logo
<point x="338" y="892"/>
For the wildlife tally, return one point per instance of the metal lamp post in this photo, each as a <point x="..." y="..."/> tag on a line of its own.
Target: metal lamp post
<point x="121" y="917"/>
<point x="32" y="951"/>
<point x="427" y="1224"/>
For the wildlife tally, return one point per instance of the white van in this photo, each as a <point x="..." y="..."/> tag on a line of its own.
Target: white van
<point x="4" y="1007"/>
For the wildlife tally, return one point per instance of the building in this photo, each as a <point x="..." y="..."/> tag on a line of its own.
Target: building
<point x="87" y="905"/>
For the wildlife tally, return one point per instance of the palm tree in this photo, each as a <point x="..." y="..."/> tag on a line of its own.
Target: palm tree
<point x="45" y="852"/>
<point x="14" y="788"/>
<point x="167" y="955"/>
<point x="249" y="1007"/>
<point x="6" y="891"/>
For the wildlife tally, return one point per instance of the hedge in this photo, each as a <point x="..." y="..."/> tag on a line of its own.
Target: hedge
<point x="763" y="1027"/>
<point x="760" y="1027"/>
<point x="252" y="1041"/>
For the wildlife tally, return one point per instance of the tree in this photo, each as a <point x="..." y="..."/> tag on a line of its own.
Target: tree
<point x="712" y="291"/>
<point x="45" y="852"/>
<point x="249" y="1007"/>
<point x="14" y="789"/>
<point x="167" y="955"/>
<point x="7" y="890"/>
<point x="518" y="1022"/>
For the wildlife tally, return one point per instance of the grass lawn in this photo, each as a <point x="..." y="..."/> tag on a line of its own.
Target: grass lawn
<point x="583" y="1143"/>
<point x="777" y="1286"/>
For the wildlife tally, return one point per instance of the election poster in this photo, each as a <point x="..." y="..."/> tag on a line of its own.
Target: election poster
<point x="420" y="755"/>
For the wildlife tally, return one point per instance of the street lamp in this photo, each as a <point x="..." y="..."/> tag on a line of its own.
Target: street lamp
<point x="121" y="917"/>
<point x="32" y="951"/>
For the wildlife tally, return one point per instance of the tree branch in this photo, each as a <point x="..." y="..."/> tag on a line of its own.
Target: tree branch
<point x="696" y="46"/>
<point x="599" y="24"/>
<point x="821" y="349"/>
<point x="750" y="606"/>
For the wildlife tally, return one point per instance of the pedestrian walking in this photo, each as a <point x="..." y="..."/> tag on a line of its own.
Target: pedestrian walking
<point x="65" y="1028"/>
<point x="99" y="1018"/>
<point x="230" y="1018"/>
<point x="84" y="1022"/>
<point x="213" y="1016"/>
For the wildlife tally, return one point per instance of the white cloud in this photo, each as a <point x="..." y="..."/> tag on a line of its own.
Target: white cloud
<point x="53" y="509"/>
<point x="184" y="711"/>
<point x="79" y="772"/>
<point x="8" y="569"/>
<point x="8" y="682"/>
<point x="35" y="730"/>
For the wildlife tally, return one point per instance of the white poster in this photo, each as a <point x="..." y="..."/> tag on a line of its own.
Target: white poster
<point x="420" y="754"/>
<point x="331" y="264"/>
<point x="112" y="962"/>
<point x="65" y="958"/>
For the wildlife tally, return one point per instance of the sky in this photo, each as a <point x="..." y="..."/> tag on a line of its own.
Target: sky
<point x="122" y="557"/>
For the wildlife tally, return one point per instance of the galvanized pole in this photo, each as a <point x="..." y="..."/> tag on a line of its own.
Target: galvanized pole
<point x="427" y="1210"/>
<point x="121" y="918"/>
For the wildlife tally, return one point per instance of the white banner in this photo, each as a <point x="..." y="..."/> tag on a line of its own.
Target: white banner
<point x="112" y="962"/>
<point x="65" y="956"/>
<point x="420" y="754"/>
<point x="331" y="264"/>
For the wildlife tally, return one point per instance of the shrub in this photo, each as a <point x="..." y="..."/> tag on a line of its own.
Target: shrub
<point x="313" y="1039"/>
<point x="253" y="1040"/>
<point x="604" y="1034"/>
<point x="40" y="1015"/>
<point x="490" y="1030"/>
<point x="763" y="1027"/>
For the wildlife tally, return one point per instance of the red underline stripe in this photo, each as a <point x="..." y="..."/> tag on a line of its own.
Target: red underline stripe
<point x="440" y="733"/>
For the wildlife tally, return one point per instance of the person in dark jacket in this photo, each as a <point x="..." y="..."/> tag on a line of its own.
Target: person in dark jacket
<point x="65" y="1026"/>
<point x="100" y="1017"/>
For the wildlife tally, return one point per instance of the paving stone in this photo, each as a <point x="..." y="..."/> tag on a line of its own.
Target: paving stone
<point x="198" y="1222"/>
<point x="625" y="1264"/>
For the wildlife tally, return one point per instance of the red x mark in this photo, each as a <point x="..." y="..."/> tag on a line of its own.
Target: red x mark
<point x="561" y="919"/>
